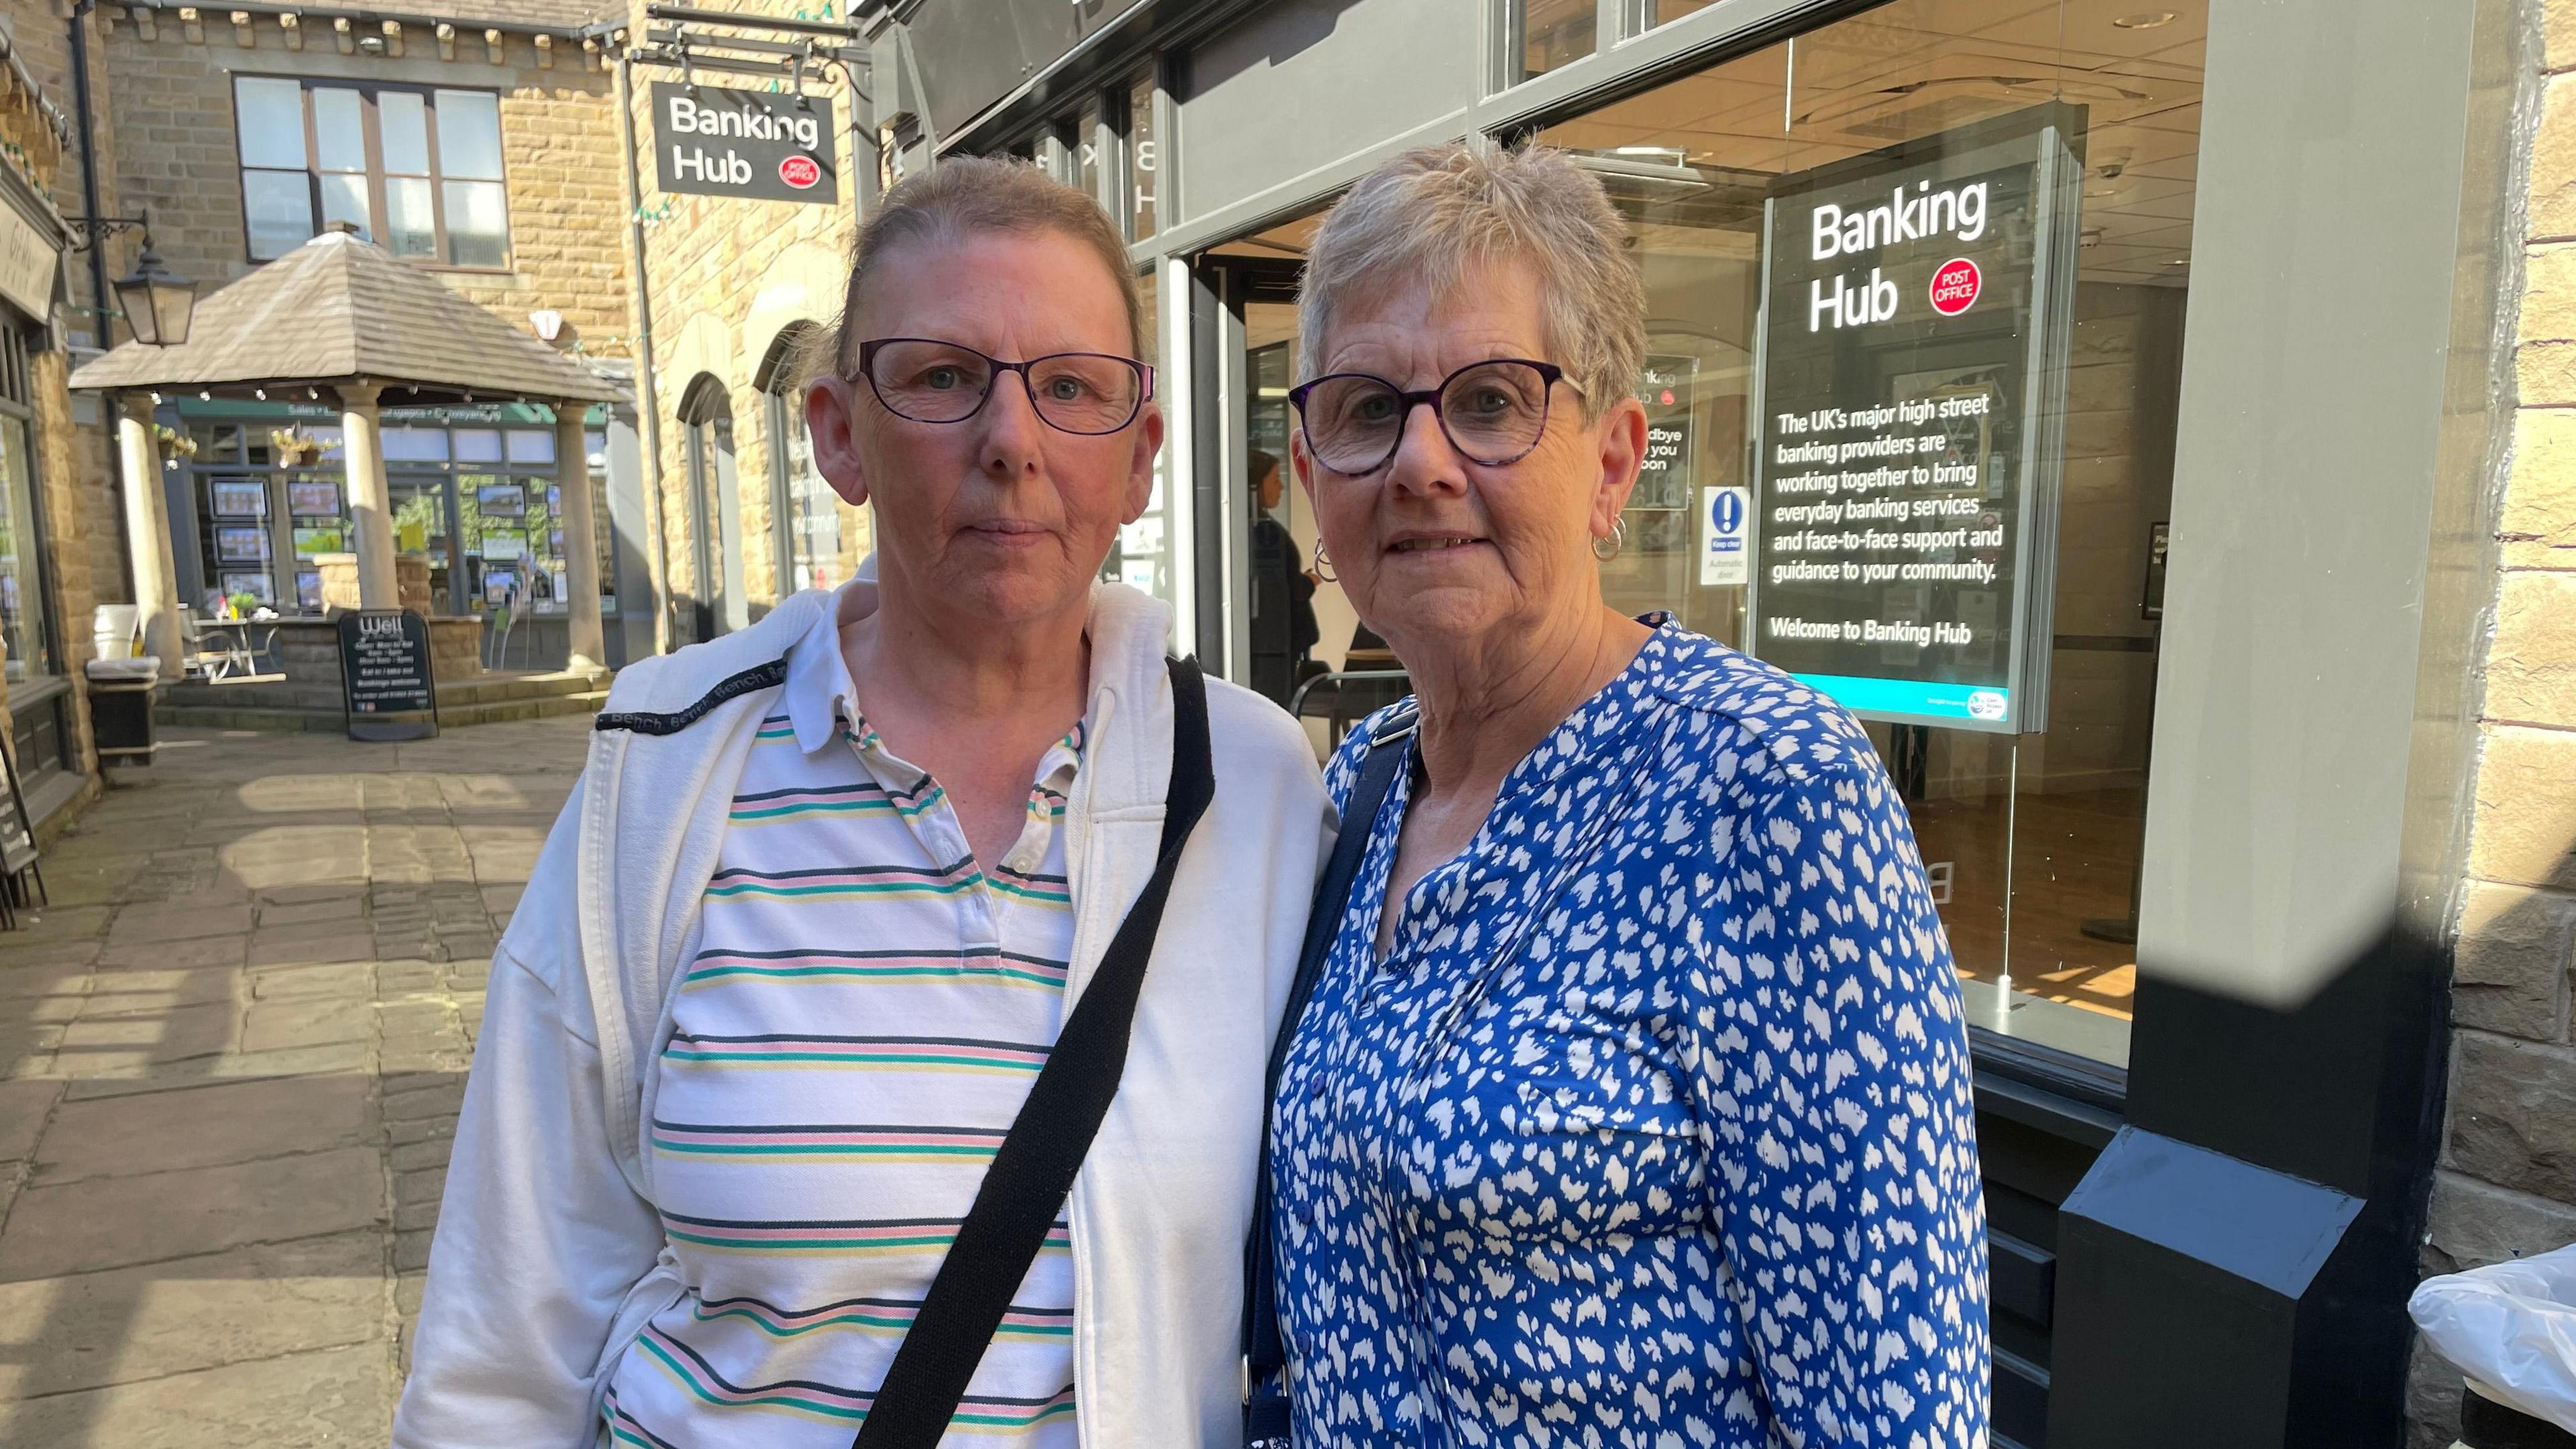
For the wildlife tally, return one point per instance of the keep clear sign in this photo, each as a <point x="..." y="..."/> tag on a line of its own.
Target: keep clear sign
<point x="1909" y="403"/>
<point x="757" y="145"/>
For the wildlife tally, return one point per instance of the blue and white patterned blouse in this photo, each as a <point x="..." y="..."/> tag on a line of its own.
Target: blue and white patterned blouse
<point x="1655" y="1128"/>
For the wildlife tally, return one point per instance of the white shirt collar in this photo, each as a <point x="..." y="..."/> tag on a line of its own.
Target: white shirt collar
<point x="819" y="692"/>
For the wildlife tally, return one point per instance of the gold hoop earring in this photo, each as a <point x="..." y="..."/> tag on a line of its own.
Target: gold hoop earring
<point x="1617" y="540"/>
<point x="1324" y="565"/>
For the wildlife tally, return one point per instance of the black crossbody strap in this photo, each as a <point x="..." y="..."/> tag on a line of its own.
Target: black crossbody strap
<point x="1035" y="1166"/>
<point x="1265" y="1408"/>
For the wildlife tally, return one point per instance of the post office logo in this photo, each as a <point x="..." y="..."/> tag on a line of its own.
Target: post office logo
<point x="1954" y="287"/>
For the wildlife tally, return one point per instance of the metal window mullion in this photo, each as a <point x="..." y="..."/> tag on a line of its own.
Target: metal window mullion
<point x="312" y="161"/>
<point x="437" y="177"/>
<point x="371" y="142"/>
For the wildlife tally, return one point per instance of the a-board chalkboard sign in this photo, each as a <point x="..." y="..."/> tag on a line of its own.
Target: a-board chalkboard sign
<point x="385" y="675"/>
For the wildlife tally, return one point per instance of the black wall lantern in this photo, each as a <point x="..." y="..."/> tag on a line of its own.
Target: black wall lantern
<point x="158" y="303"/>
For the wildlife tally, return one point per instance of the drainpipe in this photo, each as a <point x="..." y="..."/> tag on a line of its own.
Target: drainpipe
<point x="89" y="164"/>
<point x="110" y="404"/>
<point x="647" y="401"/>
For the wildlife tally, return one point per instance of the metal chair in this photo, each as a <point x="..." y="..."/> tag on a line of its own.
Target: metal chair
<point x="220" y="655"/>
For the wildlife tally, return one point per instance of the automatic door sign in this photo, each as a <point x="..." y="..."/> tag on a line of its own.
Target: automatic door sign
<point x="1725" y="536"/>
<point x="757" y="145"/>
<point x="1908" y="405"/>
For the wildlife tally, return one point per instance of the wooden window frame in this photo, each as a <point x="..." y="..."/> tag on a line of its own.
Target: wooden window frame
<point x="372" y="135"/>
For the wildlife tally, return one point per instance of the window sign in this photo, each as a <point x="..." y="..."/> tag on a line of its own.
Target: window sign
<point x="1725" y="537"/>
<point x="756" y="145"/>
<point x="1142" y="156"/>
<point x="1908" y="422"/>
<point x="1663" y="479"/>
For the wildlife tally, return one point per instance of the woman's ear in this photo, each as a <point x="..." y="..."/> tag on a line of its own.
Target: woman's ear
<point x="831" y="422"/>
<point x="1303" y="466"/>
<point x="1623" y="453"/>
<point x="1140" y="465"/>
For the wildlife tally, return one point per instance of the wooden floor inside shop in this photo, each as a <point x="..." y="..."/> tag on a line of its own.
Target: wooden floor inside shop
<point x="2075" y="862"/>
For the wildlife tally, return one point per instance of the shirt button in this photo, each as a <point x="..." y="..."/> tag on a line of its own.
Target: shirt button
<point x="1315" y="1085"/>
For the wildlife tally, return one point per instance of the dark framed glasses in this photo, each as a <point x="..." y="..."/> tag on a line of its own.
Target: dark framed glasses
<point x="1493" y="413"/>
<point x="930" y="381"/>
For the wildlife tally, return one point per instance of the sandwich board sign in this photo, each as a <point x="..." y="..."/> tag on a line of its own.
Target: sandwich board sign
<point x="385" y="678"/>
<point x="752" y="145"/>
<point x="1909" y="416"/>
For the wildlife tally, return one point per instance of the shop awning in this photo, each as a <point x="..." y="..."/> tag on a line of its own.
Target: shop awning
<point x="341" y="310"/>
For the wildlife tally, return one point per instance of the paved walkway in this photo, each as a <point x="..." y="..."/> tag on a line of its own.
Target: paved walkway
<point x="231" y="1055"/>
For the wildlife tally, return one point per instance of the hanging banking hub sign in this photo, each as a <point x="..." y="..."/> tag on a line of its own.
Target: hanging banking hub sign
<point x="756" y="145"/>
<point x="1910" y="390"/>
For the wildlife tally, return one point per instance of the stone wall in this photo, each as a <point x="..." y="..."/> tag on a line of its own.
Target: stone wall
<point x="43" y="41"/>
<point x="83" y="560"/>
<point x="725" y="279"/>
<point x="2507" y="1184"/>
<point x="177" y="152"/>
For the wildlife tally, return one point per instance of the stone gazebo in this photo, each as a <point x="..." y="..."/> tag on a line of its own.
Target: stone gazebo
<point x="343" y="320"/>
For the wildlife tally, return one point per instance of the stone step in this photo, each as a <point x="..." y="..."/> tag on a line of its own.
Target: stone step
<point x="318" y="710"/>
<point x="289" y="705"/>
<point x="452" y="712"/>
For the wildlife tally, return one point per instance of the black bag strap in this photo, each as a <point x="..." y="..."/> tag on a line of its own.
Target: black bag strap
<point x="1035" y="1166"/>
<point x="1265" y="1409"/>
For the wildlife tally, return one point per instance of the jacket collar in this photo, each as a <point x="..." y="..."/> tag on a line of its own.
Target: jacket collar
<point x="1127" y="629"/>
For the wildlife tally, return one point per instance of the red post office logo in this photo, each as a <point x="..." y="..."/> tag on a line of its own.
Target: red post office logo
<point x="1954" y="287"/>
<point x="803" y="171"/>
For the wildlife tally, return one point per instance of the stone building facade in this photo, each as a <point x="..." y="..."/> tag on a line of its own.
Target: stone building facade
<point x="70" y="517"/>
<point x="165" y="139"/>
<point x="169" y="83"/>
<point x="2507" y="1183"/>
<point x="741" y="294"/>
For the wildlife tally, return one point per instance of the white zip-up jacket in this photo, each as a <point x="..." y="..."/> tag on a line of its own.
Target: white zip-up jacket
<point x="549" y="1257"/>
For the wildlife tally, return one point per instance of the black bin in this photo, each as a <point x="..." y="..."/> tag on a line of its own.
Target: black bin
<point x="121" y="697"/>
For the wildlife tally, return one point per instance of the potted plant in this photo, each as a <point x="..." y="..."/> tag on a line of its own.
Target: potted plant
<point x="295" y="448"/>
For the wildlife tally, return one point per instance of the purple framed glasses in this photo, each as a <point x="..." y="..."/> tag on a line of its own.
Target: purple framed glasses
<point x="1493" y="413"/>
<point x="930" y="381"/>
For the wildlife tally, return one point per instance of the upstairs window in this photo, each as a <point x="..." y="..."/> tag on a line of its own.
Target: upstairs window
<point x="416" y="170"/>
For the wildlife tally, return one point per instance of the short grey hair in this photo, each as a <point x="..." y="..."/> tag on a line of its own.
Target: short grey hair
<point x="1436" y="213"/>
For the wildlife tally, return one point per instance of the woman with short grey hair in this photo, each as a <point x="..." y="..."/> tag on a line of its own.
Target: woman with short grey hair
<point x="872" y="1051"/>
<point x="1628" y="1099"/>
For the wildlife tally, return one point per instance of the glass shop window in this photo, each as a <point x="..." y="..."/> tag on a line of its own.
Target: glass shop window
<point x="1142" y="555"/>
<point x="1545" y="34"/>
<point x="1143" y="157"/>
<point x="23" y="652"/>
<point x="1916" y="287"/>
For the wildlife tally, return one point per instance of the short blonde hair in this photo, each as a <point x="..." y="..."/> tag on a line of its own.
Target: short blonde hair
<point x="1437" y="213"/>
<point x="963" y="195"/>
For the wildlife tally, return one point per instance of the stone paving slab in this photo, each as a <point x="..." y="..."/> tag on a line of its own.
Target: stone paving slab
<point x="231" y="1057"/>
<point x="126" y="1325"/>
<point x="111" y="1222"/>
<point x="209" y="1126"/>
<point x="337" y="1397"/>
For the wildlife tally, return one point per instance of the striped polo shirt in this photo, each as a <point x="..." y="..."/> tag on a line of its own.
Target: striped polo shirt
<point x="863" y="1013"/>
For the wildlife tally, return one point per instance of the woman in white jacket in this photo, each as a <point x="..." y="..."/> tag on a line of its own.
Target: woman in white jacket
<point x="806" y="931"/>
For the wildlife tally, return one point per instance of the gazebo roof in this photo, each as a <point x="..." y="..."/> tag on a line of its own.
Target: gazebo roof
<point x="341" y="310"/>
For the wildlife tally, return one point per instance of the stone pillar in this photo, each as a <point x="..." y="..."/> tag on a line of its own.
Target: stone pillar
<point x="147" y="529"/>
<point x="362" y="444"/>
<point x="579" y="519"/>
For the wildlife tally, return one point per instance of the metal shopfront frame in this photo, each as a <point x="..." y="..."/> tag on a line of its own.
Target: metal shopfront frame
<point x="2213" y="1246"/>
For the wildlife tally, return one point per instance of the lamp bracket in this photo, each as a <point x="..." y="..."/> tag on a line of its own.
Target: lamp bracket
<point x="92" y="230"/>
